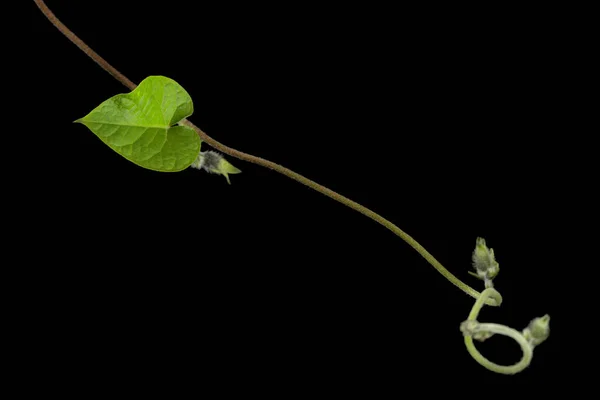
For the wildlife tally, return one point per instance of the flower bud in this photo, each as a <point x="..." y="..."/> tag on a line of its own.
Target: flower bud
<point x="214" y="163"/>
<point x="538" y="330"/>
<point x="471" y="328"/>
<point x="484" y="261"/>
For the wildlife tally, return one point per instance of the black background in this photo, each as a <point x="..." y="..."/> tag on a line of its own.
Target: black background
<point x="439" y="119"/>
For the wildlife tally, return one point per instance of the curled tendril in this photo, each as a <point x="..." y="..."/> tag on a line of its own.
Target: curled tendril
<point x="534" y="334"/>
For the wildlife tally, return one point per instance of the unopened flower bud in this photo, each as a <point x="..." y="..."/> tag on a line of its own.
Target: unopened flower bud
<point x="484" y="261"/>
<point x="471" y="328"/>
<point x="214" y="163"/>
<point x="538" y="330"/>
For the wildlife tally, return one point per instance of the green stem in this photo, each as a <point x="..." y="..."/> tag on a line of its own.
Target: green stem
<point x="472" y="327"/>
<point x="482" y="299"/>
<point x="268" y="164"/>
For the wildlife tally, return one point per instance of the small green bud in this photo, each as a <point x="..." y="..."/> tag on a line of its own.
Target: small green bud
<point x="484" y="261"/>
<point x="538" y="330"/>
<point x="468" y="327"/>
<point x="214" y="163"/>
<point x="471" y="328"/>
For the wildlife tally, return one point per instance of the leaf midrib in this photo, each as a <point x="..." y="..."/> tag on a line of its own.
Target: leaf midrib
<point x="120" y="124"/>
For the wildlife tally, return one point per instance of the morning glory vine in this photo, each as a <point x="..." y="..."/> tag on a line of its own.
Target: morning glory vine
<point x="149" y="127"/>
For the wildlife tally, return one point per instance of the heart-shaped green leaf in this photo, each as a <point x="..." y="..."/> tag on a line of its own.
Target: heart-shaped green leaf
<point x="139" y="125"/>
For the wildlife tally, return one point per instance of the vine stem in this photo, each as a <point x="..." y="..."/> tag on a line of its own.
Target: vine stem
<point x="266" y="163"/>
<point x="471" y="327"/>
